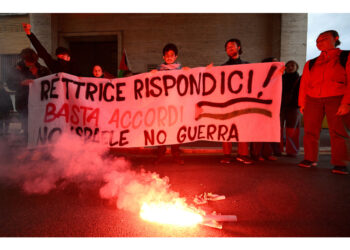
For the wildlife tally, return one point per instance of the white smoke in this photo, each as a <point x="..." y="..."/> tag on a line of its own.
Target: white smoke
<point x="71" y="160"/>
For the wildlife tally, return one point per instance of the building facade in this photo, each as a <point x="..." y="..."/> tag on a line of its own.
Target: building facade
<point x="101" y="38"/>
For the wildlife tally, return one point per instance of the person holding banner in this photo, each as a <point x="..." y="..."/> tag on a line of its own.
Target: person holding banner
<point x="20" y="77"/>
<point x="325" y="90"/>
<point x="5" y="108"/>
<point x="170" y="52"/>
<point x="234" y="50"/>
<point x="63" y="62"/>
<point x="290" y="115"/>
<point x="261" y="151"/>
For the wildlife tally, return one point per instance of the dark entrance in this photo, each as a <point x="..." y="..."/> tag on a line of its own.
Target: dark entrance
<point x="89" y="51"/>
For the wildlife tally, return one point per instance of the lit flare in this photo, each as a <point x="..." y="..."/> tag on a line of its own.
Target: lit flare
<point x="176" y="213"/>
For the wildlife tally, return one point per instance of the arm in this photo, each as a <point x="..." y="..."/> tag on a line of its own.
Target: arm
<point x="42" y="52"/>
<point x="344" y="107"/>
<point x="302" y="89"/>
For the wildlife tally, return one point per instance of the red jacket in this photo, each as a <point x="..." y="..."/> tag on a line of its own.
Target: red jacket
<point x="327" y="78"/>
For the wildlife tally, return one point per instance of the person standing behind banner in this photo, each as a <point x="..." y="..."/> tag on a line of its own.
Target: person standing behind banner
<point x="6" y="107"/>
<point x="170" y="52"/>
<point x="290" y="115"/>
<point x="19" y="79"/>
<point x="261" y="151"/>
<point x="98" y="72"/>
<point x="325" y="90"/>
<point x="63" y="62"/>
<point x="234" y="50"/>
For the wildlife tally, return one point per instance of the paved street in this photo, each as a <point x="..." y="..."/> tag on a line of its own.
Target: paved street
<point x="274" y="199"/>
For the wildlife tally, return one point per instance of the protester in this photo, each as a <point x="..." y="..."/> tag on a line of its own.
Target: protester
<point x="6" y="107"/>
<point x="170" y="52"/>
<point x="290" y="115"/>
<point x="19" y="79"/>
<point x="325" y="90"/>
<point x="63" y="62"/>
<point x="261" y="151"/>
<point x="98" y="72"/>
<point x="234" y="50"/>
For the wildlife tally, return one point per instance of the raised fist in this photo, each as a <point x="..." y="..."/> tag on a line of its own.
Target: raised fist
<point x="26" y="28"/>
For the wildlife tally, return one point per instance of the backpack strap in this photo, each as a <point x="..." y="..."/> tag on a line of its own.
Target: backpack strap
<point x="312" y="62"/>
<point x="343" y="58"/>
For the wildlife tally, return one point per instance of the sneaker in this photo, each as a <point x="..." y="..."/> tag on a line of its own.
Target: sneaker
<point x="215" y="197"/>
<point x="307" y="164"/>
<point x="340" y="170"/>
<point x="271" y="158"/>
<point x="244" y="159"/>
<point x="200" y="199"/>
<point x="226" y="160"/>
<point x="258" y="158"/>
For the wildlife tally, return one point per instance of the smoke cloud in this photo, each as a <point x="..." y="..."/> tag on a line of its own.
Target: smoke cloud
<point x="70" y="160"/>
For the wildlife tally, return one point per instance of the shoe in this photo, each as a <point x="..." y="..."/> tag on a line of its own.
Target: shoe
<point x="226" y="160"/>
<point x="215" y="197"/>
<point x="307" y="164"/>
<point x="200" y="199"/>
<point x="257" y="158"/>
<point x="340" y="170"/>
<point x="205" y="197"/>
<point x="271" y="158"/>
<point x="244" y="159"/>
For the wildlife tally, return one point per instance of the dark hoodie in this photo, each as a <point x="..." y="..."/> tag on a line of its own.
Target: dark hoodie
<point x="290" y="89"/>
<point x="19" y="73"/>
<point x="55" y="66"/>
<point x="231" y="61"/>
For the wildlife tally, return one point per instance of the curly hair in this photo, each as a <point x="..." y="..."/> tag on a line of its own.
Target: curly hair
<point x="29" y="55"/>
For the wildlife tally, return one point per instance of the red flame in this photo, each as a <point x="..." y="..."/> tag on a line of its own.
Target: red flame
<point x="176" y="213"/>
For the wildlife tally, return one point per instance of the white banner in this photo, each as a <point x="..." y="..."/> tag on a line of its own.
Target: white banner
<point x="225" y="103"/>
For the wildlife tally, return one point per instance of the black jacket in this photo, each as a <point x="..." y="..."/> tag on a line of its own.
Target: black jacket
<point x="55" y="66"/>
<point x="290" y="89"/>
<point x="19" y="73"/>
<point x="231" y="61"/>
<point x="5" y="103"/>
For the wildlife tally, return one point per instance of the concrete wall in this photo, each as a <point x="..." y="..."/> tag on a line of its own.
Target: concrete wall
<point x="199" y="37"/>
<point x="294" y="38"/>
<point x="12" y="36"/>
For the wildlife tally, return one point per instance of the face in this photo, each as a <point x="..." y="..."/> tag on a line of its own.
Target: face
<point x="97" y="71"/>
<point x="291" y="67"/>
<point x="326" y="41"/>
<point x="232" y="50"/>
<point x="31" y="66"/>
<point x="64" y="57"/>
<point x="169" y="57"/>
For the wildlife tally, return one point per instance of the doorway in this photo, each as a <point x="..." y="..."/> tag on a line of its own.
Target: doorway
<point x="92" y="50"/>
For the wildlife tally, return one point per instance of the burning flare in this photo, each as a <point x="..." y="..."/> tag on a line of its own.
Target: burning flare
<point x="176" y="213"/>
